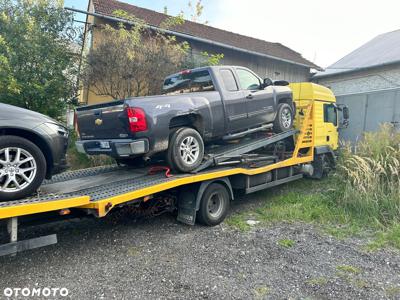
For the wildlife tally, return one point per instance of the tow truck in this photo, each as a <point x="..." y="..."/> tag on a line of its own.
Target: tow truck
<point x="249" y="165"/>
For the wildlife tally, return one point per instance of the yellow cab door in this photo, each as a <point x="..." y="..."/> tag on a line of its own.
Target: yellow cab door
<point x="326" y="124"/>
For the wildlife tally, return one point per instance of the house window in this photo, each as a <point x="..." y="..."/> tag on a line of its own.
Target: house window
<point x="248" y="80"/>
<point x="229" y="80"/>
<point x="330" y="114"/>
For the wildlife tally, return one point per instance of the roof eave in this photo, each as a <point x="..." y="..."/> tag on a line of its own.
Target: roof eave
<point x="317" y="76"/>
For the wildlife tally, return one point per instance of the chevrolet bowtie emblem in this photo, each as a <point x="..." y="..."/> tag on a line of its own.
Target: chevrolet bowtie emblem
<point x="98" y="122"/>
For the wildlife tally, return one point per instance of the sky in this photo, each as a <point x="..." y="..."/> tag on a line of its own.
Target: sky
<point x="323" y="31"/>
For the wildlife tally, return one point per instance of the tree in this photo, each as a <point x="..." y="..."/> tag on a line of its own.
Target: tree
<point x="37" y="60"/>
<point x="196" y="11"/>
<point x="132" y="60"/>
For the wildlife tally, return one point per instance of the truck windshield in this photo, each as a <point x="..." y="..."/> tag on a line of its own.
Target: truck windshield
<point x="188" y="82"/>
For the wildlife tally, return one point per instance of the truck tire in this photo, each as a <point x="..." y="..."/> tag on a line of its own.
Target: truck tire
<point x="214" y="205"/>
<point x="185" y="150"/>
<point x="322" y="164"/>
<point x="22" y="168"/>
<point x="284" y="118"/>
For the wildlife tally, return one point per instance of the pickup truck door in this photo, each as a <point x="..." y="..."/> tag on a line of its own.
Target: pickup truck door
<point x="234" y="102"/>
<point x="259" y="102"/>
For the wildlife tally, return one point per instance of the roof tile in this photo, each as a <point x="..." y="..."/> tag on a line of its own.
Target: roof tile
<point x="107" y="7"/>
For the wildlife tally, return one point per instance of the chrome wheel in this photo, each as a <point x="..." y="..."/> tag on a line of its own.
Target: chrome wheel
<point x="215" y="206"/>
<point x="18" y="169"/>
<point x="286" y="117"/>
<point x="189" y="150"/>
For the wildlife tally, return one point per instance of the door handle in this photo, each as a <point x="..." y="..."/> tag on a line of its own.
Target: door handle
<point x="249" y="96"/>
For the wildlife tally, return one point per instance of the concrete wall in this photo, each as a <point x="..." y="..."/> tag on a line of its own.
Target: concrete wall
<point x="363" y="81"/>
<point x="373" y="97"/>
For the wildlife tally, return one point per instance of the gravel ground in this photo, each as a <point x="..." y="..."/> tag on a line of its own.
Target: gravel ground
<point x="160" y="258"/>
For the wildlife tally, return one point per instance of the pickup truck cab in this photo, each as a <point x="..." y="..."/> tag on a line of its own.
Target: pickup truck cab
<point x="197" y="106"/>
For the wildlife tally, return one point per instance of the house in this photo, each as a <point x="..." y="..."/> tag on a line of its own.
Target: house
<point x="368" y="81"/>
<point x="272" y="60"/>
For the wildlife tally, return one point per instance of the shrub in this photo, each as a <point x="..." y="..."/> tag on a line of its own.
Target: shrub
<point x="369" y="177"/>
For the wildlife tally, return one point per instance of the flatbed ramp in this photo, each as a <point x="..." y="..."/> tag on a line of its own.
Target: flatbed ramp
<point x="96" y="191"/>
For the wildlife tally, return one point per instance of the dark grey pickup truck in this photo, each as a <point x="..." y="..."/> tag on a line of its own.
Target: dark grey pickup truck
<point x="197" y="106"/>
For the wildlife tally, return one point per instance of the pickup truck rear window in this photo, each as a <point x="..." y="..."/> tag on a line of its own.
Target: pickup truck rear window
<point x="189" y="82"/>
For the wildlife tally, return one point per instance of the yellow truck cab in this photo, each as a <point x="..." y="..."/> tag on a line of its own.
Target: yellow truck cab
<point x="326" y="121"/>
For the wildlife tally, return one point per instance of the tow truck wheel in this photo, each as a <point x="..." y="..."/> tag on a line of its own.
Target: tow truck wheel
<point x="186" y="150"/>
<point x="22" y="168"/>
<point x="214" y="205"/>
<point x="322" y="165"/>
<point x="284" y="118"/>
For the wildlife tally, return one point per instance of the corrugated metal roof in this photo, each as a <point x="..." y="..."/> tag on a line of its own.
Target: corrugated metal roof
<point x="382" y="50"/>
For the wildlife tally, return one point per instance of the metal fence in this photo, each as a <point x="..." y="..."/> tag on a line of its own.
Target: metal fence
<point x="370" y="109"/>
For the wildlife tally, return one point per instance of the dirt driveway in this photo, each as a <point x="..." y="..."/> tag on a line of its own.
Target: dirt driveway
<point x="160" y="258"/>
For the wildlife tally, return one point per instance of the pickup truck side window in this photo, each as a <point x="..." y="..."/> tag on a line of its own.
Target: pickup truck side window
<point x="188" y="82"/>
<point x="330" y="114"/>
<point x="247" y="80"/>
<point x="229" y="80"/>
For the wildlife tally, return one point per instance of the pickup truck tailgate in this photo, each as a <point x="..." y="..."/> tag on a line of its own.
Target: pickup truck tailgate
<point x="103" y="121"/>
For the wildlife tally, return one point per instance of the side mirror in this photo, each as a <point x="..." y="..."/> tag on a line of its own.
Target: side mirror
<point x="267" y="82"/>
<point x="346" y="114"/>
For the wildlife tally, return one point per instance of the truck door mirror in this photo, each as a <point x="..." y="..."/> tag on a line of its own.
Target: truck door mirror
<point x="346" y="114"/>
<point x="267" y="82"/>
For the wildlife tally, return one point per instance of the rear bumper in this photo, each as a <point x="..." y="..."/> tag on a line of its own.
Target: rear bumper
<point x="117" y="148"/>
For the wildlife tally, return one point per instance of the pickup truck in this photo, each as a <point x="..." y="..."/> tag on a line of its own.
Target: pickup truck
<point x="198" y="106"/>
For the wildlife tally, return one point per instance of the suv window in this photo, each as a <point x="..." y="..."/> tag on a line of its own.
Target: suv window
<point x="330" y="114"/>
<point x="248" y="80"/>
<point x="229" y="80"/>
<point x="189" y="82"/>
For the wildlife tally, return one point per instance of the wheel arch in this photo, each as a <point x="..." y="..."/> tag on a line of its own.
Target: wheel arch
<point x="192" y="120"/>
<point x="205" y="184"/>
<point x="37" y="140"/>
<point x="318" y="150"/>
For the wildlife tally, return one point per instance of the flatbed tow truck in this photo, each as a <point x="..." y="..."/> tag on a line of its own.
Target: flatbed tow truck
<point x="250" y="165"/>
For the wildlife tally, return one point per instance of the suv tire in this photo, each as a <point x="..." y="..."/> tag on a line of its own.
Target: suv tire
<point x="22" y="168"/>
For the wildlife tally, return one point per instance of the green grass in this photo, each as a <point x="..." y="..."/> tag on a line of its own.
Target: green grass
<point x="261" y="291"/>
<point x="348" y="269"/>
<point x="314" y="202"/>
<point x="286" y="243"/>
<point x="392" y="291"/>
<point x="320" y="281"/>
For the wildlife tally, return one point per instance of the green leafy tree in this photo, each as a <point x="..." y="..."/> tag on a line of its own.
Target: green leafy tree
<point x="37" y="55"/>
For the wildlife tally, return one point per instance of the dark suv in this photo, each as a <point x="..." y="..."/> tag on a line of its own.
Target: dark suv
<point x="32" y="148"/>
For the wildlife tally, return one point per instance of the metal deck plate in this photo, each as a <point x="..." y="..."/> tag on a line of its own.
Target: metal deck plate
<point x="97" y="183"/>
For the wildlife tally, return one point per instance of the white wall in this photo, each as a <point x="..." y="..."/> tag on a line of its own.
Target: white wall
<point x="364" y="81"/>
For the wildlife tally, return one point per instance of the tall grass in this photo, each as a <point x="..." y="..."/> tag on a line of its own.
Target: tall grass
<point x="368" y="177"/>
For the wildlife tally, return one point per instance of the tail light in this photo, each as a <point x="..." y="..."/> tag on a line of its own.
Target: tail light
<point x="137" y="119"/>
